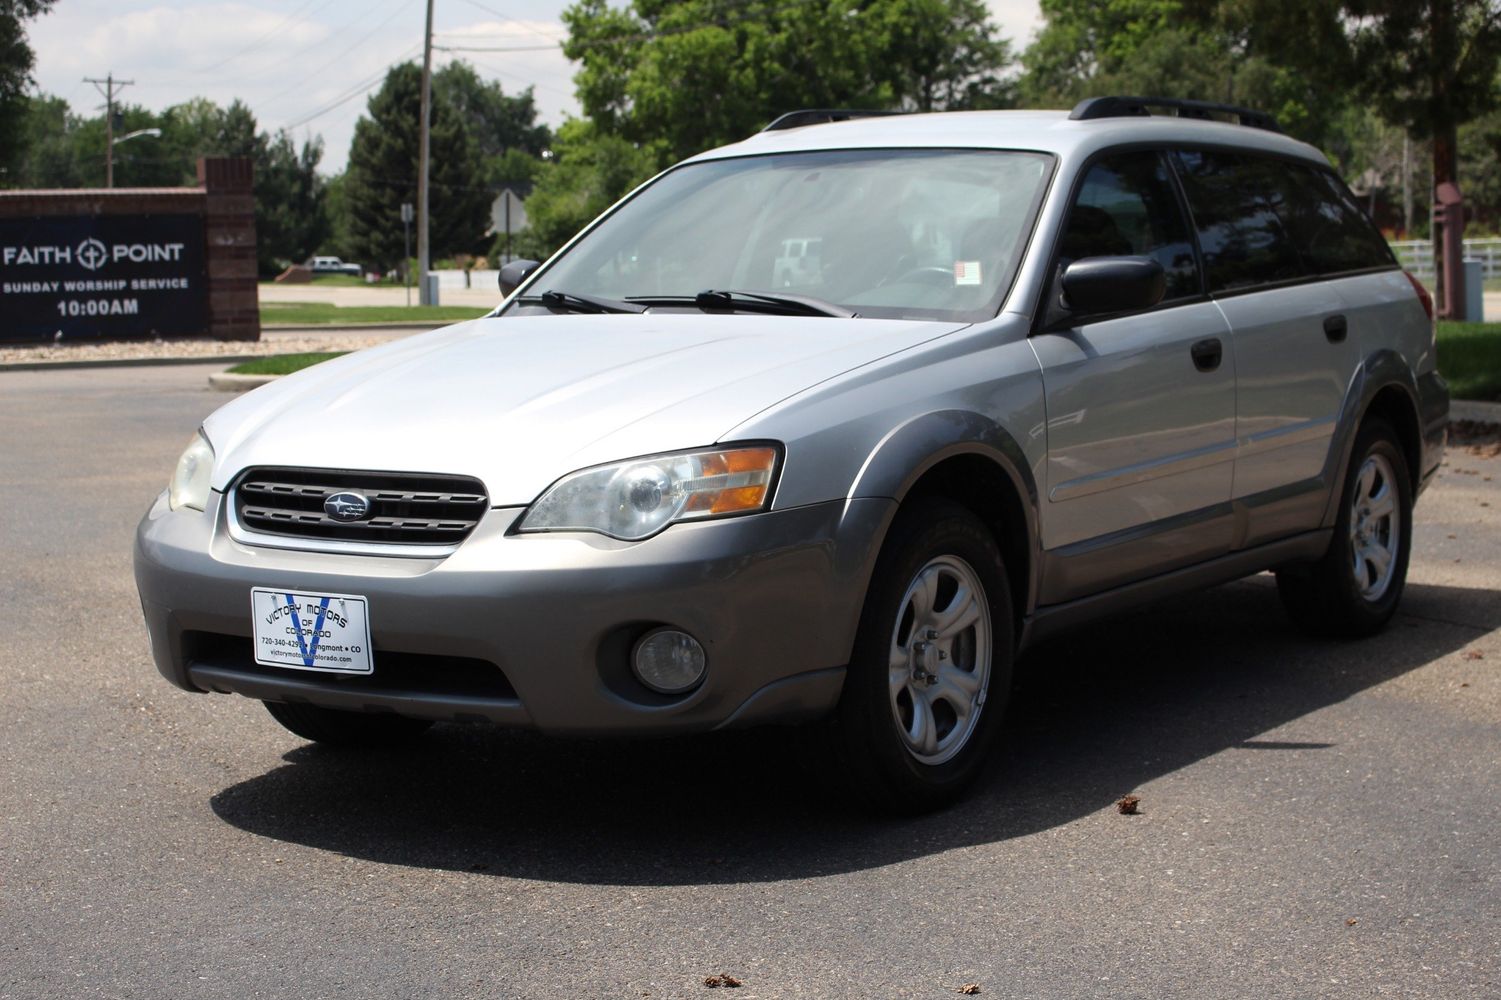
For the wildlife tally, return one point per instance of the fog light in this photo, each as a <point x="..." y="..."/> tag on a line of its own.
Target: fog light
<point x="668" y="661"/>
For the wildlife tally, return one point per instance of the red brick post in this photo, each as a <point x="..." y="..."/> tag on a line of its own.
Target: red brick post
<point x="234" y="311"/>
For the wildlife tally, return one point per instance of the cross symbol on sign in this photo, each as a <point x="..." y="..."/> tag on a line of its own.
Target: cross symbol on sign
<point x="91" y="254"/>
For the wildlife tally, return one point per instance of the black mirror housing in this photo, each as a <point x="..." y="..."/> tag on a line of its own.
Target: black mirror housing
<point x="514" y="273"/>
<point x="1097" y="285"/>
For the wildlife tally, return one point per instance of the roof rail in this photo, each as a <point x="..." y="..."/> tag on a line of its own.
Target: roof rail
<point x="820" y="116"/>
<point x="1133" y="107"/>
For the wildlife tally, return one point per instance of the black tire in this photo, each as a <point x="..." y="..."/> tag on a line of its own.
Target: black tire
<point x="1325" y="598"/>
<point x="346" y="729"/>
<point x="871" y="736"/>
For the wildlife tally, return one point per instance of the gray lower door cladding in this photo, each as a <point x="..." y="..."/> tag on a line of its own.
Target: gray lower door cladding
<point x="1173" y="543"/>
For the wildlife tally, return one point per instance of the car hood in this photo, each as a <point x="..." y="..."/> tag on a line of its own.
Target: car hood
<point x="520" y="401"/>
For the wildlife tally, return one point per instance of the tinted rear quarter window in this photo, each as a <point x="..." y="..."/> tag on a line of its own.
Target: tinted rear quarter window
<point x="1337" y="236"/>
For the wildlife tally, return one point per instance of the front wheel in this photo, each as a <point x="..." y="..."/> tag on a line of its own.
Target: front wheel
<point x="345" y="729"/>
<point x="1354" y="589"/>
<point x="931" y="669"/>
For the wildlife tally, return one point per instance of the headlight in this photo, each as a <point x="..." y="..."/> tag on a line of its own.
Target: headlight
<point x="631" y="500"/>
<point x="190" y="481"/>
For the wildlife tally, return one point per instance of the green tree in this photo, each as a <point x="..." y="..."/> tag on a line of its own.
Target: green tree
<point x="45" y="153"/>
<point x="588" y="174"/>
<point x="1227" y="51"/>
<point x="382" y="175"/>
<point x="680" y="76"/>
<point x="497" y="122"/>
<point x="1428" y="66"/>
<point x="16" y="62"/>
<point x="291" y="218"/>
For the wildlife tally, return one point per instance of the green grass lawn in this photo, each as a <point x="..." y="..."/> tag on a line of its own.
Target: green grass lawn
<point x="1469" y="357"/>
<point x="326" y="313"/>
<point x="283" y="364"/>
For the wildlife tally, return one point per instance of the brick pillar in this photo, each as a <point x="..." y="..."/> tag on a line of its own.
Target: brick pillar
<point x="234" y="311"/>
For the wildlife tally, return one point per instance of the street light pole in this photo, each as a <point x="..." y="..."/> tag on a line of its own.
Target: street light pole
<point x="423" y="249"/>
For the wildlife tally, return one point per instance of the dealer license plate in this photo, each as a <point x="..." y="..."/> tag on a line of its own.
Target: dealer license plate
<point x="329" y="632"/>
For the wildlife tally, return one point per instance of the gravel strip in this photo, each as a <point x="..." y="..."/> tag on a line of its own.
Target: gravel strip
<point x="206" y="349"/>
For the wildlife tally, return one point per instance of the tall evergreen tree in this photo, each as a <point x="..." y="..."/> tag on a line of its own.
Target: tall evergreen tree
<point x="382" y="175"/>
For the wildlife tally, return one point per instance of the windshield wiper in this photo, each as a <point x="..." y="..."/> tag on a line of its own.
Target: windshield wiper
<point x="782" y="305"/>
<point x="574" y="302"/>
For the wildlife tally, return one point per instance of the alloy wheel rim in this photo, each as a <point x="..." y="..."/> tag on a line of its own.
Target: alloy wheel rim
<point x="1375" y="528"/>
<point x="940" y="659"/>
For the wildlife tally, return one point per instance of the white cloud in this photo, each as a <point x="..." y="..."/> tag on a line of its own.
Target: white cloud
<point x="290" y="60"/>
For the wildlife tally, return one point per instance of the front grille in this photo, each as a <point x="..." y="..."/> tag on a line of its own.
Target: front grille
<point x="405" y="507"/>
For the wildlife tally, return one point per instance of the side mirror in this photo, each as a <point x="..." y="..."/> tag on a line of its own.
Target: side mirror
<point x="514" y="273"/>
<point x="1113" y="284"/>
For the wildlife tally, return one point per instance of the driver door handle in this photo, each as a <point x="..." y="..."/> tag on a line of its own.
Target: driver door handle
<point x="1207" y="354"/>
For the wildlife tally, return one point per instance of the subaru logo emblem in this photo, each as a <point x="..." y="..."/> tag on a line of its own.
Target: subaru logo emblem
<point x="347" y="506"/>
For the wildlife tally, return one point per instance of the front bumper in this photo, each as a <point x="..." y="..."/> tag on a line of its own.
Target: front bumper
<point x="535" y="630"/>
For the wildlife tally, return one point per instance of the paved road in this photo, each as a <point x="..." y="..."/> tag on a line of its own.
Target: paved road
<point x="1318" y="819"/>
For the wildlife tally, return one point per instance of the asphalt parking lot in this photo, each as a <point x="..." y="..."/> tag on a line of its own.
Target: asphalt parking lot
<point x="1317" y="819"/>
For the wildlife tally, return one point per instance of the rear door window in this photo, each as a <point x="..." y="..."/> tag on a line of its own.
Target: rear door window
<point x="1127" y="207"/>
<point x="1239" y="203"/>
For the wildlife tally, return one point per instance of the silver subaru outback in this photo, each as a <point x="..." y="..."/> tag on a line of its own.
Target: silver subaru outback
<point x="828" y="424"/>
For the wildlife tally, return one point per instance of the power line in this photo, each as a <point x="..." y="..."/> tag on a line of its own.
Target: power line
<point x="557" y="46"/>
<point x="509" y="20"/>
<point x="286" y="22"/>
<point x="400" y="7"/>
<point x="359" y="89"/>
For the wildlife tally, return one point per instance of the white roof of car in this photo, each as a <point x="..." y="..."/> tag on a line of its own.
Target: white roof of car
<point x="1043" y="131"/>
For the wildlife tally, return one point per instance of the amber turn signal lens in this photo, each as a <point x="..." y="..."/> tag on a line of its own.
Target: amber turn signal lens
<point x="732" y="481"/>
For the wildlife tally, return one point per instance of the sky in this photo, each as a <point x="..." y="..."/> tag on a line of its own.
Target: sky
<point x="310" y="65"/>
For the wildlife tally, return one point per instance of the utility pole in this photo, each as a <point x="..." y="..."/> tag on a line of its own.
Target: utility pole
<point x="423" y="249"/>
<point x="110" y="88"/>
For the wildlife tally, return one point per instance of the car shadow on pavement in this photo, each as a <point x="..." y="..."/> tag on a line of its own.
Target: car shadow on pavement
<point x="1093" y="717"/>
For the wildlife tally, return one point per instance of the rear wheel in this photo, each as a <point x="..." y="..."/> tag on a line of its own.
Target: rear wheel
<point x="346" y="729"/>
<point x="1354" y="589"/>
<point x="931" y="669"/>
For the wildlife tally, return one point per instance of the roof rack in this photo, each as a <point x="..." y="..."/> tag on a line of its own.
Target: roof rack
<point x="1134" y="107"/>
<point x="821" y="116"/>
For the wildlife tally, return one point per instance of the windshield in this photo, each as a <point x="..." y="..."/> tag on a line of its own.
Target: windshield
<point x="931" y="234"/>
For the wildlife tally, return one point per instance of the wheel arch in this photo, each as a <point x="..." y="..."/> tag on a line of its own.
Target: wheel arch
<point x="1386" y="390"/>
<point x="965" y="457"/>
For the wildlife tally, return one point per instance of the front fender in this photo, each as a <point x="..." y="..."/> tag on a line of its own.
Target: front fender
<point x="917" y="446"/>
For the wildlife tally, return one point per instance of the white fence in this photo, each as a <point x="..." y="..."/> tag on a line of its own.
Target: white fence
<point x="477" y="279"/>
<point x="1417" y="256"/>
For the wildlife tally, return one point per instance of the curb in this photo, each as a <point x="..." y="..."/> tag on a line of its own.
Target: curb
<point x="229" y="382"/>
<point x="38" y="366"/>
<point x="358" y="327"/>
<point x="1476" y="412"/>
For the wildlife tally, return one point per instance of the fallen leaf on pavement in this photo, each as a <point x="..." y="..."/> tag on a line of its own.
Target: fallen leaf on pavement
<point x="724" y="979"/>
<point x="1127" y="805"/>
<point x="1474" y="654"/>
<point x="969" y="989"/>
<point x="1351" y="922"/>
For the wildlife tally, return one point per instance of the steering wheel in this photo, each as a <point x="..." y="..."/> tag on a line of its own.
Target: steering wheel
<point x="931" y="274"/>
